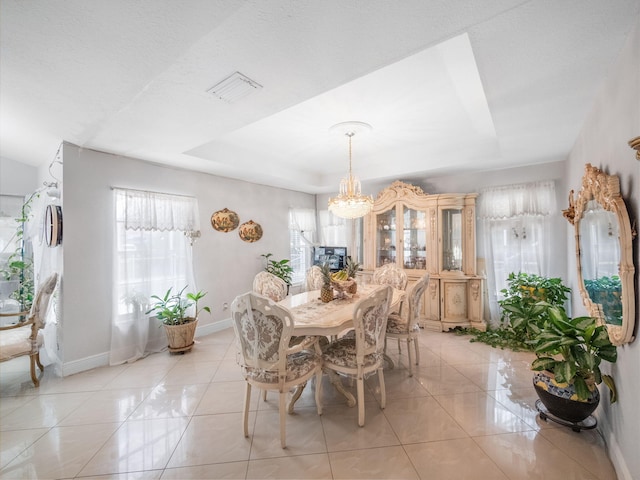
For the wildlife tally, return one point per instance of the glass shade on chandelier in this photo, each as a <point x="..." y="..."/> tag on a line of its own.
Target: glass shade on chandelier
<point x="350" y="203"/>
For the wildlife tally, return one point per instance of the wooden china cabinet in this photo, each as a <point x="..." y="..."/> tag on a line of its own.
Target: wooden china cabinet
<point x="433" y="234"/>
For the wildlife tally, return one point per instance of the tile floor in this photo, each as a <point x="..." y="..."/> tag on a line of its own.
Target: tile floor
<point x="467" y="413"/>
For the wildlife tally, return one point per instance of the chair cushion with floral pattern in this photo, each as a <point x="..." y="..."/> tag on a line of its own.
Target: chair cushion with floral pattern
<point x="298" y="365"/>
<point x="397" y="324"/>
<point x="342" y="352"/>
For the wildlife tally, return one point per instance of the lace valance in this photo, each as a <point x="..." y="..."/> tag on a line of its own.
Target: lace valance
<point x="510" y="201"/>
<point x="141" y="210"/>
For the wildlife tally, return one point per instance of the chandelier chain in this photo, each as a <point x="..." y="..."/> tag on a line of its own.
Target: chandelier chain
<point x="350" y="135"/>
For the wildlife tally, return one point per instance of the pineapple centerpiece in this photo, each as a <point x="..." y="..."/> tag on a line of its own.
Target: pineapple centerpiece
<point x="326" y="292"/>
<point x="352" y="268"/>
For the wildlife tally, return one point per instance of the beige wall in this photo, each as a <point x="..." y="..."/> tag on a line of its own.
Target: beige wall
<point x="224" y="264"/>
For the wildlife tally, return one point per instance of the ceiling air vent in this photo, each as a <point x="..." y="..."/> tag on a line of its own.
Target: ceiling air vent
<point x="234" y="87"/>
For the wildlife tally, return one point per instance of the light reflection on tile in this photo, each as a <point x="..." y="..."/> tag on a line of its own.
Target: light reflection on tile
<point x="480" y="414"/>
<point x="138" y="445"/>
<point x="60" y="453"/>
<point x="443" y="461"/>
<point x="382" y="463"/>
<point x="529" y="455"/>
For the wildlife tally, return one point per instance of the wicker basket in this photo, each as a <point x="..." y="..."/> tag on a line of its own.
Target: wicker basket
<point x="180" y="337"/>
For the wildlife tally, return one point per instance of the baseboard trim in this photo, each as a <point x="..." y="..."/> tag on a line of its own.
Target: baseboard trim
<point x="84" y="364"/>
<point x="613" y="449"/>
<point x="102" y="359"/>
<point x="210" y="328"/>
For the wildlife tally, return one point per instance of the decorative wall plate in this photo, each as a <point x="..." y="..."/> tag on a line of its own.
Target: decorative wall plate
<point x="250" y="231"/>
<point x="225" y="220"/>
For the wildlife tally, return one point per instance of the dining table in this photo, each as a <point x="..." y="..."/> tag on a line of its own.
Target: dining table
<point x="313" y="317"/>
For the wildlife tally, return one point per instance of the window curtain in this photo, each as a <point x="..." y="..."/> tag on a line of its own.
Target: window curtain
<point x="333" y="230"/>
<point x="152" y="254"/>
<point x="514" y="233"/>
<point x="302" y="228"/>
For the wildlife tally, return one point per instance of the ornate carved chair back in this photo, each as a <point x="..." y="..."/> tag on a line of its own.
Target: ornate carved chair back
<point x="314" y="280"/>
<point x="268" y="285"/>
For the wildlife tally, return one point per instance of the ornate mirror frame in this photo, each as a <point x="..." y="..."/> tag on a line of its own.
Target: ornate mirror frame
<point x="605" y="190"/>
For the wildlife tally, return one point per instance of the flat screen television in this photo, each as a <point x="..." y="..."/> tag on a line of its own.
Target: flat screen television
<point x="336" y="256"/>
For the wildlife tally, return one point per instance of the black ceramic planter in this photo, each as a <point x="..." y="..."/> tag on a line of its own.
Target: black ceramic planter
<point x="558" y="400"/>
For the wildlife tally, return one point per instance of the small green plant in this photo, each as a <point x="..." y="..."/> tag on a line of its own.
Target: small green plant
<point x="279" y="268"/>
<point x="171" y="309"/>
<point x="572" y="349"/>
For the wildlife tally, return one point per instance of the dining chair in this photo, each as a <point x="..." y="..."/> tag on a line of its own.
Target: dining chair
<point x="362" y="354"/>
<point x="268" y="285"/>
<point x="406" y="327"/>
<point x="314" y="279"/>
<point x="25" y="336"/>
<point x="263" y="331"/>
<point x="391" y="274"/>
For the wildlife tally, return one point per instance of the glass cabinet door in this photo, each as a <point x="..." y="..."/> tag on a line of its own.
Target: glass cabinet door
<point x="452" y="239"/>
<point x="386" y="240"/>
<point x="415" y="239"/>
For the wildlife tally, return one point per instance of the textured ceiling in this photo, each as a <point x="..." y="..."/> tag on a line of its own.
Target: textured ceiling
<point x="446" y="85"/>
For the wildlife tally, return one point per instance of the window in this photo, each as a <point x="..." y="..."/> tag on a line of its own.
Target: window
<point x="302" y="227"/>
<point x="10" y="208"/>
<point x="152" y="254"/>
<point x="514" y="234"/>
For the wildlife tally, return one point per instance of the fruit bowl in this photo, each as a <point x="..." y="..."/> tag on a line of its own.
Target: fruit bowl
<point x="341" y="286"/>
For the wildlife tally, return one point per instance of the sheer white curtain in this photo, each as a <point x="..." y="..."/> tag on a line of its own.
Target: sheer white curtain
<point x="333" y="230"/>
<point x="302" y="228"/>
<point x="152" y="254"/>
<point x="514" y="232"/>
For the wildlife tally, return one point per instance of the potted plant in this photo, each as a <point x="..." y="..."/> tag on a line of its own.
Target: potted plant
<point x="172" y="310"/>
<point x="280" y="268"/>
<point x="569" y="353"/>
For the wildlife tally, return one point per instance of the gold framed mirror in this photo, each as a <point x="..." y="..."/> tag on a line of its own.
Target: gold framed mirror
<point x="604" y="256"/>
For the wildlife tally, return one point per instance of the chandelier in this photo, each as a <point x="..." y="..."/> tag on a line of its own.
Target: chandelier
<point x="350" y="203"/>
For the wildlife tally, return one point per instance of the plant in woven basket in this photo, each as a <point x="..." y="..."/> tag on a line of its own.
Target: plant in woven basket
<point x="171" y="309"/>
<point x="326" y="292"/>
<point x="179" y="320"/>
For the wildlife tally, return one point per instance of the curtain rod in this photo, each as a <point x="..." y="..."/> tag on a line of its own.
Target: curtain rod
<point x="151" y="191"/>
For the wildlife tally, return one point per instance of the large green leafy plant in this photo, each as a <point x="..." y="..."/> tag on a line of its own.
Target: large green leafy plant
<point x="171" y="309"/>
<point x="523" y="314"/>
<point x="573" y="349"/>
<point x="523" y="310"/>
